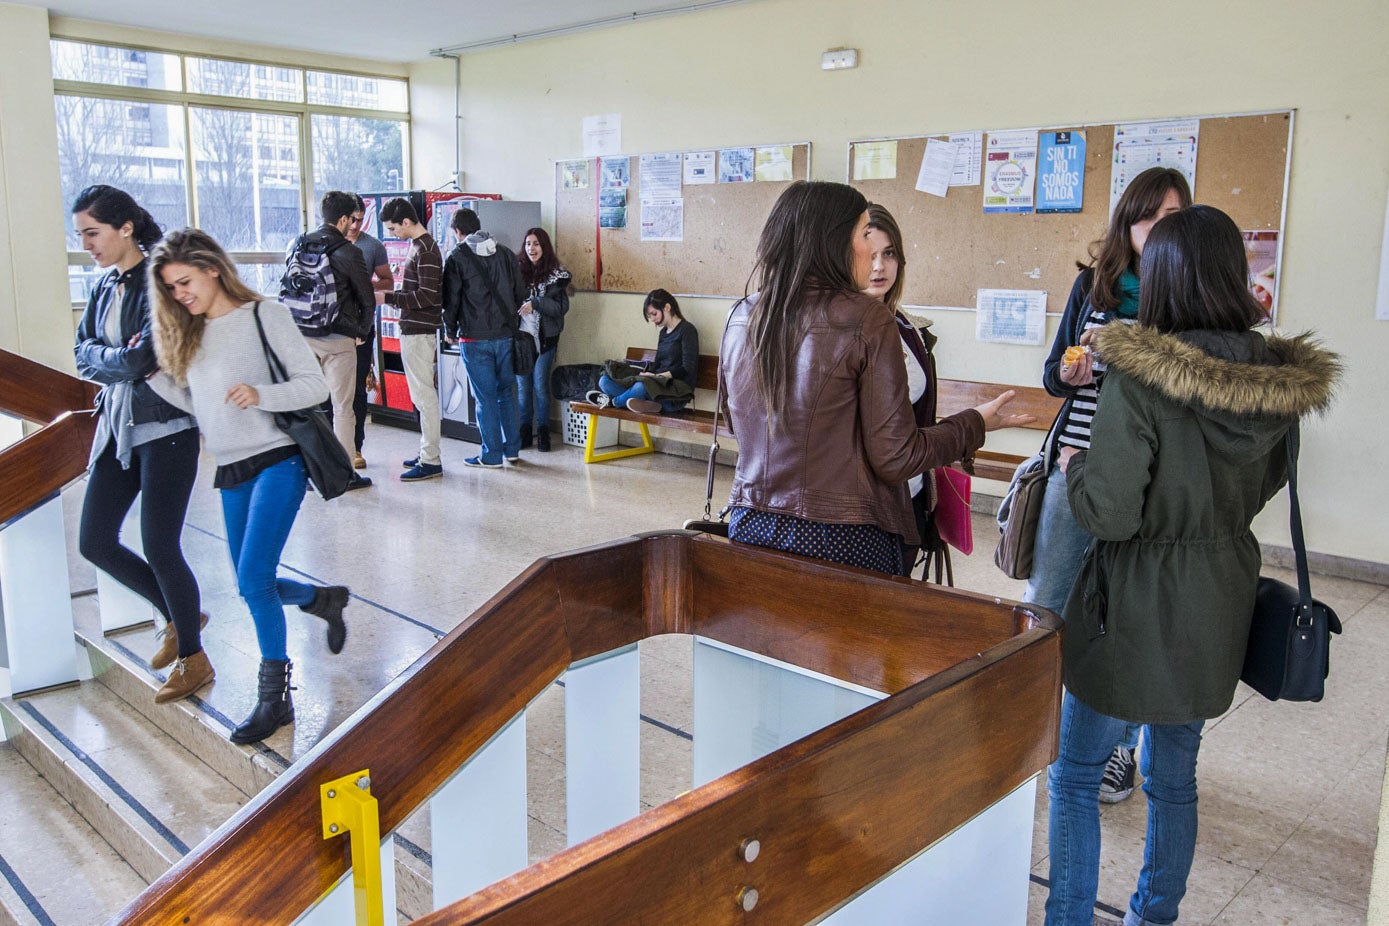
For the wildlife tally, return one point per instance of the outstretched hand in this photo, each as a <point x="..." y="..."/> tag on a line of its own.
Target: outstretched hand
<point x="994" y="418"/>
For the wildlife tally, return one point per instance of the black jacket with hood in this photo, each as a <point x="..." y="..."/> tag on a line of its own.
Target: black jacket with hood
<point x="470" y="312"/>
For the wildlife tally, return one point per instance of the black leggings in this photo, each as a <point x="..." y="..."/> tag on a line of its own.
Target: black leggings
<point x="162" y="472"/>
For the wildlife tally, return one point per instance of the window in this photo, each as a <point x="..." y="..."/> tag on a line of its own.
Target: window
<point x="349" y="153"/>
<point x="104" y="64"/>
<point x="246" y="200"/>
<point x="327" y="88"/>
<point x="249" y="81"/>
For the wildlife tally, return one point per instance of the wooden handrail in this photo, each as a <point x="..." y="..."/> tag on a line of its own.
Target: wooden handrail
<point x="39" y="393"/>
<point x="942" y="655"/>
<point x="42" y="463"/>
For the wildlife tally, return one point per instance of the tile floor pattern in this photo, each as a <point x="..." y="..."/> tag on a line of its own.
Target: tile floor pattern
<point x="1289" y="793"/>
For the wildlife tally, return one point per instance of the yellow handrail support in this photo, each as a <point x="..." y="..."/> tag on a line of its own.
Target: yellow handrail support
<point x="348" y="805"/>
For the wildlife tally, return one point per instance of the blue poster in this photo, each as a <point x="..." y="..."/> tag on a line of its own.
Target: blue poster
<point x="1060" y="171"/>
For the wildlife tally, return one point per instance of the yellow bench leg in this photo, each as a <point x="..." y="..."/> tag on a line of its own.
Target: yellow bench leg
<point x="590" y="457"/>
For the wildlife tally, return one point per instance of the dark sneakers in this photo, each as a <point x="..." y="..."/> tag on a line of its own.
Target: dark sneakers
<point x="1117" y="783"/>
<point x="422" y="471"/>
<point x="644" y="407"/>
<point x="358" y="481"/>
<point x="328" y="603"/>
<point x="479" y="461"/>
<point x="542" y="439"/>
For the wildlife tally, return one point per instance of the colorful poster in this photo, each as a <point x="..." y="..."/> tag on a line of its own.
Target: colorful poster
<point x="660" y="176"/>
<point x="1011" y="316"/>
<point x="875" y="160"/>
<point x="616" y="172"/>
<point x="662" y="219"/>
<point x="397" y="253"/>
<point x="700" y="167"/>
<point x="1010" y="172"/>
<point x="1261" y="250"/>
<point x="612" y="208"/>
<point x="440" y="223"/>
<point x="1141" y="145"/>
<point x="969" y="158"/>
<point x="602" y="135"/>
<point x="1061" y="171"/>
<point x="573" y="175"/>
<point x="937" y="166"/>
<point x="737" y="165"/>
<point x="773" y="163"/>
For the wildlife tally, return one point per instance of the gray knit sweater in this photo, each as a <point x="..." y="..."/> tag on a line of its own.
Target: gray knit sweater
<point x="231" y="354"/>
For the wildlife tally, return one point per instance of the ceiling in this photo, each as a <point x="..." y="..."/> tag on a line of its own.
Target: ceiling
<point x="388" y="30"/>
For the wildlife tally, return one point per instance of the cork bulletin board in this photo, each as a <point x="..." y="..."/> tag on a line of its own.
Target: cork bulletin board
<point x="722" y="222"/>
<point x="953" y="248"/>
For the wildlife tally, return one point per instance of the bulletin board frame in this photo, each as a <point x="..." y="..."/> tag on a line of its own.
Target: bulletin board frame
<point x="722" y="222"/>
<point x="954" y="249"/>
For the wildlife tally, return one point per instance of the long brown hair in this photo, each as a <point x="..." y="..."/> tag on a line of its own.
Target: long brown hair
<point x="533" y="273"/>
<point x="178" y="333"/>
<point x="805" y="245"/>
<point x="1111" y="255"/>
<point x="882" y="220"/>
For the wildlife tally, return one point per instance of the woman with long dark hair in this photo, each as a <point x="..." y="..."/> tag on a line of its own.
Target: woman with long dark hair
<point x="1105" y="291"/>
<point x="144" y="446"/>
<point x="208" y="328"/>
<point x="816" y="393"/>
<point x="1188" y="446"/>
<point x="542" y="317"/>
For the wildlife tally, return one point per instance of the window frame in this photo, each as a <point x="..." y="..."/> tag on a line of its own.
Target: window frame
<point x="187" y="100"/>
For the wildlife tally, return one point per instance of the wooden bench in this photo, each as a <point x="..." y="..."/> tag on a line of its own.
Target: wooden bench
<point x="952" y="396"/>
<point x="691" y="419"/>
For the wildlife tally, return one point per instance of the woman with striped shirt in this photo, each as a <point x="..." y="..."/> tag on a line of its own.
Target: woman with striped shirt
<point x="1105" y="291"/>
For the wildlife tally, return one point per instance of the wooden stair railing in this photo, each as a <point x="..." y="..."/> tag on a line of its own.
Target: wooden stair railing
<point x="42" y="463"/>
<point x="973" y="710"/>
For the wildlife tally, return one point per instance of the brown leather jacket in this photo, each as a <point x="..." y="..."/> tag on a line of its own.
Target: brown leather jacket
<point x="843" y="448"/>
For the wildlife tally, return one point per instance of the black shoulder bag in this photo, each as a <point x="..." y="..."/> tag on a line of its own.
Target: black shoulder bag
<point x="524" y="352"/>
<point x="328" y="465"/>
<point x="1289" y="653"/>
<point x="708" y="524"/>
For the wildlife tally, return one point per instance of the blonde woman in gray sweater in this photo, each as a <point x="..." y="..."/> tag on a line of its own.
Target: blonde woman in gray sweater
<point x="213" y="365"/>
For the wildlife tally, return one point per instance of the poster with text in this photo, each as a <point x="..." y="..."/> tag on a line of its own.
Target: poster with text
<point x="1141" y="145"/>
<point x="616" y="172"/>
<point x="969" y="161"/>
<point x="574" y="174"/>
<point x="1061" y="171"/>
<point x="875" y="160"/>
<point x="660" y="175"/>
<point x="1010" y="171"/>
<point x="1261" y="250"/>
<point x="1011" y="316"/>
<point x="612" y="208"/>
<point x="737" y="165"/>
<point x="773" y="163"/>
<point x="700" y="167"/>
<point x="602" y="135"/>
<point x="662" y="219"/>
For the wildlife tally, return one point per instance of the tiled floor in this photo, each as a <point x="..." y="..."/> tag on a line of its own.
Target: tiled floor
<point x="1290" y="793"/>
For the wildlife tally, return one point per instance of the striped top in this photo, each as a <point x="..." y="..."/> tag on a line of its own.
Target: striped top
<point x="420" y="297"/>
<point x="1075" y="430"/>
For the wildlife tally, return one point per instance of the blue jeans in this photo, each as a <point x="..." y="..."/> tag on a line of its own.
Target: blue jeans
<point x="259" y="514"/>
<point x="493" y="380"/>
<point x="1073" y="785"/>
<point x="636" y="391"/>
<point x="534" y="391"/>
<point x="1056" y="557"/>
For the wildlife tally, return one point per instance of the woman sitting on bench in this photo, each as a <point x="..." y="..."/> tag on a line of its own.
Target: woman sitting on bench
<point x="668" y="385"/>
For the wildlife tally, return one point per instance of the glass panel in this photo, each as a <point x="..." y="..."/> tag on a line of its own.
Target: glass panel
<point x="263" y="278"/>
<point x="138" y="147"/>
<point x="81" y="280"/>
<point x="248" y="81"/>
<point x="329" y="89"/>
<point x="121" y="67"/>
<point x="246" y="167"/>
<point x="350" y="153"/>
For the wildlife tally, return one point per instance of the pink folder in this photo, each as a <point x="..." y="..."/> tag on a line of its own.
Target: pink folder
<point x="953" y="520"/>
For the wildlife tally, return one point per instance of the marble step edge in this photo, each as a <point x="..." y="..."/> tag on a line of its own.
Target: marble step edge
<point x="193" y="722"/>
<point x="136" y="834"/>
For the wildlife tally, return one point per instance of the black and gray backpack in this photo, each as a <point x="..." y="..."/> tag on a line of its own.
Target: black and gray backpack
<point x="307" y="288"/>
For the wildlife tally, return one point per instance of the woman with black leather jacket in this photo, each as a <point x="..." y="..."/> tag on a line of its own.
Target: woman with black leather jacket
<point x="144" y="446"/>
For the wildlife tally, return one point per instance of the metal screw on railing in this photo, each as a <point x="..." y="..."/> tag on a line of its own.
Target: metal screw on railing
<point x="747" y="898"/>
<point x="749" y="849"/>
<point x="332" y="827"/>
<point x="332" y="793"/>
<point x="364" y="783"/>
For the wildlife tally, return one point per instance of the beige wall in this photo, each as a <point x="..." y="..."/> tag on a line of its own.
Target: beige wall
<point x="750" y="73"/>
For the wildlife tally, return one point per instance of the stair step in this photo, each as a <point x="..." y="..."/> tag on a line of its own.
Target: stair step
<point x="54" y="867"/>
<point x="143" y="791"/>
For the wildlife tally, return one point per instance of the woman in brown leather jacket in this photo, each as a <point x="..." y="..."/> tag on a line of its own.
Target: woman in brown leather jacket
<point x="815" y="389"/>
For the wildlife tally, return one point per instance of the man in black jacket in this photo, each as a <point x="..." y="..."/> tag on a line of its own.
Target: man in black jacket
<point x="482" y="293"/>
<point x="336" y="349"/>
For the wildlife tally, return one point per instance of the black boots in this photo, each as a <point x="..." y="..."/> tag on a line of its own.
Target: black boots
<point x="275" y="707"/>
<point x="328" y="602"/>
<point x="525" y="435"/>
<point x="542" y="439"/>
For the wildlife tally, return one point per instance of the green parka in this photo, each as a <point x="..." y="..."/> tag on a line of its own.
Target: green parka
<point x="1186" y="448"/>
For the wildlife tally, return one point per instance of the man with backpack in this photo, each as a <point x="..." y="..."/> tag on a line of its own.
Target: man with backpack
<point x="482" y="293"/>
<point x="327" y="288"/>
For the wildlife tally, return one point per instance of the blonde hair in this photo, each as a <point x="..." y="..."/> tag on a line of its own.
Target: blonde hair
<point x="178" y="334"/>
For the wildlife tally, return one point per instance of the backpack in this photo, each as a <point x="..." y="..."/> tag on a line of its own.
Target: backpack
<point x="308" y="288"/>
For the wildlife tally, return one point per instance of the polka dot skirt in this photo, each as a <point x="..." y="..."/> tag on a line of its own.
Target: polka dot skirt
<point x="864" y="545"/>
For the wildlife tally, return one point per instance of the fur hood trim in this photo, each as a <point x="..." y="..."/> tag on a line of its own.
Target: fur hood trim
<point x="1282" y="377"/>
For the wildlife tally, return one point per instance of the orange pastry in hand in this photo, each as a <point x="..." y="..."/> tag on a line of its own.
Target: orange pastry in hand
<point x="1074" y="353"/>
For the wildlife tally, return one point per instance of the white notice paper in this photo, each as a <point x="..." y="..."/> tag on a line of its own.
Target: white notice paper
<point x="1011" y="316"/>
<point x="660" y="175"/>
<point x="662" y="219"/>
<point x="700" y="167"/>
<point x="937" y="166"/>
<point x="969" y="158"/>
<point x="1141" y="145"/>
<point x="602" y="135"/>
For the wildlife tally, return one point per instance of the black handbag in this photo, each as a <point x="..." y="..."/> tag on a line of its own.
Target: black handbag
<point x="328" y="465"/>
<point x="1289" y="653"/>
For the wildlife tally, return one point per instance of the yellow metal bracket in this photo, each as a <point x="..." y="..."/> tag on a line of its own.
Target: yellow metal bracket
<point x="349" y="807"/>
<point x="590" y="457"/>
